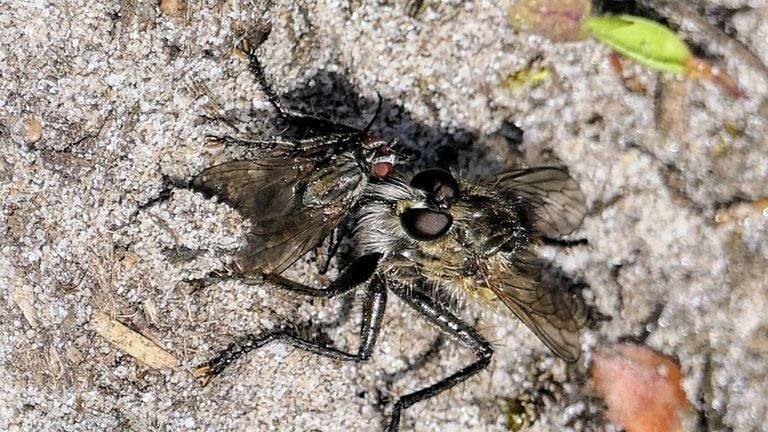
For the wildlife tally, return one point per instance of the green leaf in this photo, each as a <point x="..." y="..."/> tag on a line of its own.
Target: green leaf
<point x="644" y="41"/>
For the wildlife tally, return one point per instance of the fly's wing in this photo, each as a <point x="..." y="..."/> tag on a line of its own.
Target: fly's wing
<point x="274" y="244"/>
<point x="264" y="191"/>
<point x="547" y="311"/>
<point x="554" y="194"/>
<point x="259" y="190"/>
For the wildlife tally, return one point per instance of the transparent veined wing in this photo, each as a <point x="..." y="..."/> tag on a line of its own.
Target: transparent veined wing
<point x="259" y="190"/>
<point x="548" y="311"/>
<point x="269" y="193"/>
<point x="274" y="244"/>
<point x="558" y="200"/>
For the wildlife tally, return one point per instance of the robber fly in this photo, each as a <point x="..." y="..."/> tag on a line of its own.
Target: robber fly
<point x="427" y="237"/>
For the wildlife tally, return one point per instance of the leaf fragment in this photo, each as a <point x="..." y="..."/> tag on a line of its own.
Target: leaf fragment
<point x="644" y="41"/>
<point x="557" y="20"/>
<point x="527" y="77"/>
<point x="656" y="46"/>
<point x="133" y="343"/>
<point x="642" y="388"/>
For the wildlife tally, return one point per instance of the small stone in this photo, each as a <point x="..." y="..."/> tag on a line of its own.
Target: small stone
<point x="174" y="8"/>
<point x="33" y="129"/>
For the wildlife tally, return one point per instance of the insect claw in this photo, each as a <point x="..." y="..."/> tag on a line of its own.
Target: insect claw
<point x="203" y="374"/>
<point x="255" y="38"/>
<point x="213" y="140"/>
<point x="245" y="46"/>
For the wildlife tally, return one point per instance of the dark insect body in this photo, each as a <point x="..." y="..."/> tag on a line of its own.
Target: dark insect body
<point x="296" y="191"/>
<point x="428" y="235"/>
<point x="478" y="240"/>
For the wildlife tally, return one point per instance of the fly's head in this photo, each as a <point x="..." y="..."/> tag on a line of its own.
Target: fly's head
<point x="379" y="156"/>
<point x="438" y="223"/>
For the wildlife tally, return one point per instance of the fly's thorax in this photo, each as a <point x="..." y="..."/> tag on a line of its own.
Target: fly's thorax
<point x="439" y="259"/>
<point x="463" y="279"/>
<point x="338" y="183"/>
<point x="488" y="224"/>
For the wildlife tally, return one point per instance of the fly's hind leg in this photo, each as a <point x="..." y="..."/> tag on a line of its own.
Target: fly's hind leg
<point x="373" y="309"/>
<point x="169" y="185"/>
<point x="452" y="325"/>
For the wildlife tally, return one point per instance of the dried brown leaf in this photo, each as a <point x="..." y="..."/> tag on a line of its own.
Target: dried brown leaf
<point x="133" y="343"/>
<point x="560" y="21"/>
<point x="641" y="387"/>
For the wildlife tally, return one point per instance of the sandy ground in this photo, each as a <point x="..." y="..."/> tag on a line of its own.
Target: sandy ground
<point x="100" y="100"/>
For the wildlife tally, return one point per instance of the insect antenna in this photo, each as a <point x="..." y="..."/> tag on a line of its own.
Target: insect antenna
<point x="375" y="116"/>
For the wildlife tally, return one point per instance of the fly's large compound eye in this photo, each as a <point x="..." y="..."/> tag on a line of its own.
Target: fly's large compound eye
<point x="424" y="224"/>
<point x="438" y="182"/>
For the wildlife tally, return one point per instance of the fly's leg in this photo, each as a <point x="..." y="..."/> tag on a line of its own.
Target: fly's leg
<point x="333" y="246"/>
<point x="258" y="73"/>
<point x="452" y="325"/>
<point x="335" y="134"/>
<point x="373" y="308"/>
<point x="563" y="243"/>
<point x="270" y="144"/>
<point x="353" y="275"/>
<point x="328" y="130"/>
<point x="337" y="236"/>
<point x="169" y="184"/>
<point x="294" y="117"/>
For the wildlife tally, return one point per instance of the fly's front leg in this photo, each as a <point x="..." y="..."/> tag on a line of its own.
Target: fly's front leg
<point x="452" y="325"/>
<point x="258" y="73"/>
<point x="353" y="275"/>
<point x="373" y="308"/>
<point x="563" y="243"/>
<point x="295" y="117"/>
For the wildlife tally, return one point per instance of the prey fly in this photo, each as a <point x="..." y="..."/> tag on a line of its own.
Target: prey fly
<point x="296" y="190"/>
<point x="426" y="236"/>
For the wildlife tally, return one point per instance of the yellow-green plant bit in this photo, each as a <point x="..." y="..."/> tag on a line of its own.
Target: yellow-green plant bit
<point x="656" y="46"/>
<point x="644" y="41"/>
